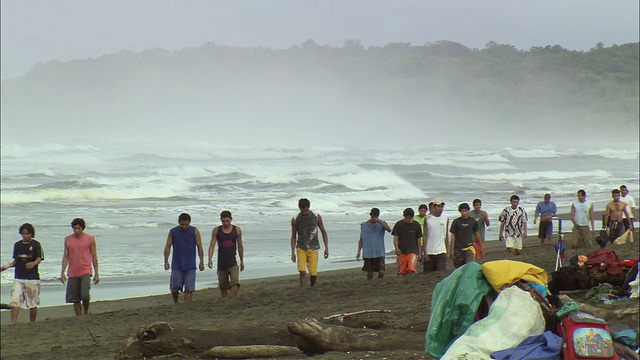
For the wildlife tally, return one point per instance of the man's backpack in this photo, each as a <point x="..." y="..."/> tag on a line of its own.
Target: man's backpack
<point x="586" y="337"/>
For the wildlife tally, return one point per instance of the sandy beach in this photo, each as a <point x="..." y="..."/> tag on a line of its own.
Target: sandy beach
<point x="259" y="314"/>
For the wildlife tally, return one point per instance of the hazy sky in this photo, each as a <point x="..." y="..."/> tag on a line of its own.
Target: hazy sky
<point x="41" y="30"/>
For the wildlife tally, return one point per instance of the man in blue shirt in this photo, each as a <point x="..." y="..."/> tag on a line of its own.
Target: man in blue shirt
<point x="372" y="244"/>
<point x="185" y="240"/>
<point x="546" y="210"/>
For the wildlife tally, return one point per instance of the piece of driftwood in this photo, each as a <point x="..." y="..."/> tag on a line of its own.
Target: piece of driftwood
<point x="154" y="330"/>
<point x="95" y="339"/>
<point x="354" y="313"/>
<point x="253" y="351"/>
<point x="319" y="338"/>
<point x="152" y="348"/>
<point x="195" y="342"/>
<point x="600" y="312"/>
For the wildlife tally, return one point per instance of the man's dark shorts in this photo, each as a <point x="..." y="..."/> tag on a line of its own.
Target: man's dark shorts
<point x="616" y="229"/>
<point x="373" y="264"/>
<point x="78" y="289"/>
<point x="462" y="257"/>
<point x="436" y="263"/>
<point x="545" y="230"/>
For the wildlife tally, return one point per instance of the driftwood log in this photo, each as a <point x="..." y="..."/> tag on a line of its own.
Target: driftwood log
<point x="252" y="351"/>
<point x="600" y="312"/>
<point x="160" y="339"/>
<point x="154" y="330"/>
<point x="315" y="337"/>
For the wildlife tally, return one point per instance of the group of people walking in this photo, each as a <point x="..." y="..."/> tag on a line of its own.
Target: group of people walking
<point x="428" y="238"/>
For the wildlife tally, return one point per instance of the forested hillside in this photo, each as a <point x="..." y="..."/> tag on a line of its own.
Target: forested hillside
<point x="396" y="83"/>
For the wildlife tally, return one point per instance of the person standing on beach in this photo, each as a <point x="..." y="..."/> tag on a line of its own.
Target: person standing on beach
<point x="480" y="216"/>
<point x="25" y="292"/>
<point x="546" y="210"/>
<point x="184" y="239"/>
<point x="464" y="231"/>
<point x="305" y="243"/>
<point x="406" y="240"/>
<point x="80" y="253"/>
<point x="631" y="206"/>
<point x="614" y="214"/>
<point x="229" y="240"/>
<point x="582" y="216"/>
<point x="513" y="226"/>
<point x="421" y="219"/>
<point x="437" y="239"/>
<point x="372" y="244"/>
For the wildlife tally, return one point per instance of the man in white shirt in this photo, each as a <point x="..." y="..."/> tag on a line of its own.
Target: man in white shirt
<point x="582" y="216"/>
<point x="631" y="206"/>
<point x="435" y="245"/>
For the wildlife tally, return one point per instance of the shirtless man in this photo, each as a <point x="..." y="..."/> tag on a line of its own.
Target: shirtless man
<point x="614" y="215"/>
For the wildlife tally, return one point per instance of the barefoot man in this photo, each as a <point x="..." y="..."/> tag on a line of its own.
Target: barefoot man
<point x="185" y="240"/>
<point x="79" y="254"/>
<point x="546" y="210"/>
<point x="228" y="237"/>
<point x="614" y="215"/>
<point x="371" y="243"/>
<point x="25" y="292"/>
<point x="513" y="226"/>
<point x="304" y="242"/>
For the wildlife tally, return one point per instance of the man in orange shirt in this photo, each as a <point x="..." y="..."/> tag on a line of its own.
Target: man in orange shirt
<point x="79" y="254"/>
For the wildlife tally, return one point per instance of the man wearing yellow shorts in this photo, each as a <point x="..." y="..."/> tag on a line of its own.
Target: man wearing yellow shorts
<point x="304" y="242"/>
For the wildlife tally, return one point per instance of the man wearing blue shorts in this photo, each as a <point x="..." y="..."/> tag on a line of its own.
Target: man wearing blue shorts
<point x="184" y="239"/>
<point x="546" y="210"/>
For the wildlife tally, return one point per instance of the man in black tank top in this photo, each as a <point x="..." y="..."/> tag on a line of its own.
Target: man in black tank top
<point x="228" y="237"/>
<point x="304" y="242"/>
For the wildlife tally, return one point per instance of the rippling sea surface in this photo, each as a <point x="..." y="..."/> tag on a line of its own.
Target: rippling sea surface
<point x="131" y="194"/>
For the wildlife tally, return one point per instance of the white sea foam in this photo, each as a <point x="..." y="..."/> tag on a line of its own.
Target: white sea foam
<point x="538" y="152"/>
<point x="131" y="194"/>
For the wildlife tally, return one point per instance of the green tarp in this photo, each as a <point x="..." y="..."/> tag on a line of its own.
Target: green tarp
<point x="454" y="305"/>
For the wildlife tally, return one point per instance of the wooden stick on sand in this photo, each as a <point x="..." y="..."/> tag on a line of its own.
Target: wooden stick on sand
<point x="354" y="313"/>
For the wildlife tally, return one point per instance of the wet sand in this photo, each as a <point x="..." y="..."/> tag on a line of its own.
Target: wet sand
<point x="263" y="305"/>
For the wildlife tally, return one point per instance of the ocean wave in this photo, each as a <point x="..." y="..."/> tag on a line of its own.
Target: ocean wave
<point x="85" y="195"/>
<point x="621" y="154"/>
<point x="15" y="151"/>
<point x="530" y="175"/>
<point x="70" y="184"/>
<point x="538" y="152"/>
<point x="128" y="226"/>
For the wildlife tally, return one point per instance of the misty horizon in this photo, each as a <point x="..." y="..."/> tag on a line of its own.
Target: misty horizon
<point x="333" y="73"/>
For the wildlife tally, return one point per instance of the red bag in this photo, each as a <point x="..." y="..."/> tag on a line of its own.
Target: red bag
<point x="586" y="337"/>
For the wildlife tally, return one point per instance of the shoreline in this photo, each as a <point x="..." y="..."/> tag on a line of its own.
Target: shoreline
<point x="133" y="286"/>
<point x="264" y="306"/>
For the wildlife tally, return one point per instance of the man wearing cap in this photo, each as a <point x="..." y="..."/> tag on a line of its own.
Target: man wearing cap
<point x="372" y="244"/>
<point x="406" y="240"/>
<point x="546" y="210"/>
<point x="437" y="239"/>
